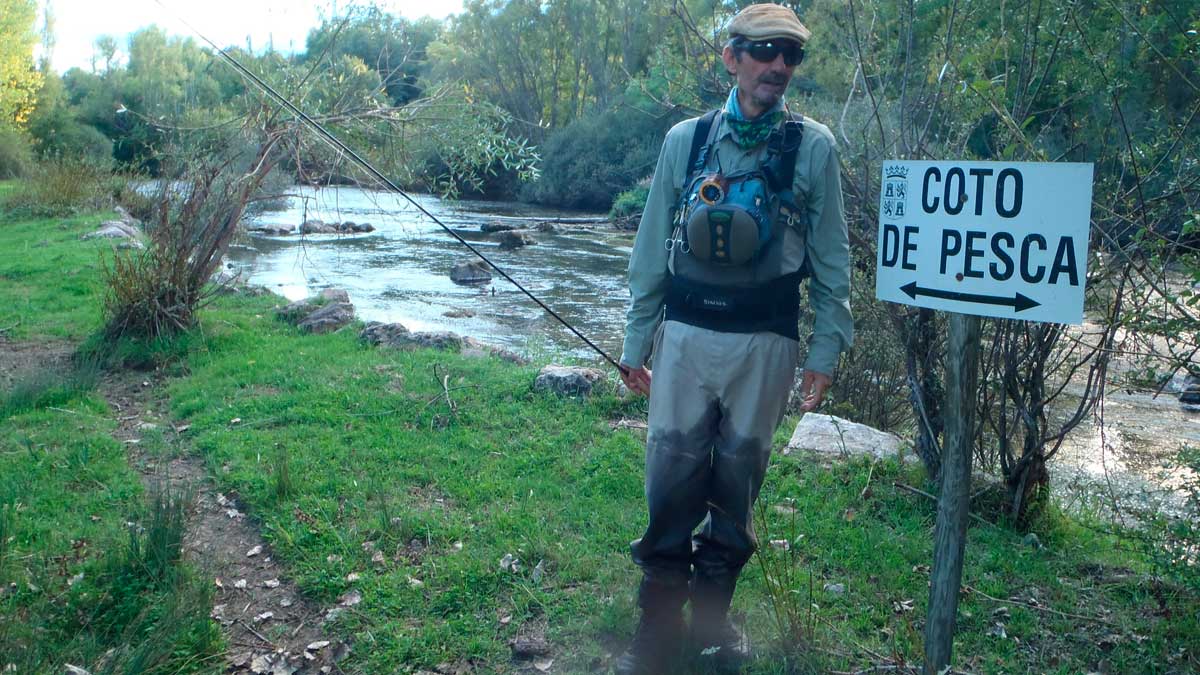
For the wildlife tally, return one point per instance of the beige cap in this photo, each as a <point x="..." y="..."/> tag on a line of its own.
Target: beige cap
<point x="765" y="21"/>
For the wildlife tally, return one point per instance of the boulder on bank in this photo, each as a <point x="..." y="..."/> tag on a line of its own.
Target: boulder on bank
<point x="385" y="334"/>
<point x="835" y="437"/>
<point x="473" y="347"/>
<point x="627" y="223"/>
<point x="226" y="278"/>
<point x="1189" y="392"/>
<point x="471" y="272"/>
<point x="116" y="229"/>
<point x="515" y="238"/>
<point x="567" y="380"/>
<point x="496" y="226"/>
<point x="328" y="318"/>
<point x="396" y="336"/>
<point x="324" y="313"/>
<point x="127" y="217"/>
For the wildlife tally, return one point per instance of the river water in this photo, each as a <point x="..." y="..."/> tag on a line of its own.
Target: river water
<point x="400" y="273"/>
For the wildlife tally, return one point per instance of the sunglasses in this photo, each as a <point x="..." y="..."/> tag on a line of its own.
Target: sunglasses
<point x="765" y="51"/>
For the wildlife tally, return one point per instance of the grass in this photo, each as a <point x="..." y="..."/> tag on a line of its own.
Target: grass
<point x="49" y="278"/>
<point x="340" y="450"/>
<point x="89" y="571"/>
<point x="89" y="567"/>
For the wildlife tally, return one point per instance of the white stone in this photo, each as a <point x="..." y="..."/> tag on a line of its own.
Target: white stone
<point x="836" y="437"/>
<point x="567" y="380"/>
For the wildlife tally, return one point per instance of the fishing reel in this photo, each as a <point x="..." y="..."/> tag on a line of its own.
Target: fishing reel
<point x="712" y="189"/>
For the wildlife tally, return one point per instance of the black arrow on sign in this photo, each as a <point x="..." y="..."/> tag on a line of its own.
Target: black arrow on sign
<point x="1018" y="302"/>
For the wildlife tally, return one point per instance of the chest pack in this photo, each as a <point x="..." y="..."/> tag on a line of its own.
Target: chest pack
<point x="728" y="239"/>
<point x="728" y="219"/>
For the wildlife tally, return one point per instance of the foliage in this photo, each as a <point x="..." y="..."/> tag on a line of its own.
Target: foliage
<point x="630" y="202"/>
<point x="787" y="585"/>
<point x="49" y="387"/>
<point x="871" y="383"/>
<point x="16" y="155"/>
<point x="589" y="162"/>
<point x="154" y="292"/>
<point x="56" y="131"/>
<point x="62" y="187"/>
<point x="392" y="47"/>
<point x="1168" y="524"/>
<point x="968" y="83"/>
<point x="49" y="301"/>
<point x="19" y="81"/>
<point x="547" y="63"/>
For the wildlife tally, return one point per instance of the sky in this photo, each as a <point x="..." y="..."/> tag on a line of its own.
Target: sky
<point x="77" y="23"/>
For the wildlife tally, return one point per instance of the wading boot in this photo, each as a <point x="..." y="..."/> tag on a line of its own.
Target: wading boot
<point x="714" y="637"/>
<point x="656" y="643"/>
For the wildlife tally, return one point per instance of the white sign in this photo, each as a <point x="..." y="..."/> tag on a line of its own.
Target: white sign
<point x="1002" y="239"/>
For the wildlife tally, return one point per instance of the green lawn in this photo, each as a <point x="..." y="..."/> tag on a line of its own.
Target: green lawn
<point x="342" y="450"/>
<point x="78" y="579"/>
<point x="49" y="278"/>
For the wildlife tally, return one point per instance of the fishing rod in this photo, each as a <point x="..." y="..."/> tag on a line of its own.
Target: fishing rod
<point x="337" y="144"/>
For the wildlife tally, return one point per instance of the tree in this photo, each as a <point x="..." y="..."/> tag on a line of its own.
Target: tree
<point x="19" y="80"/>
<point x="393" y="47"/>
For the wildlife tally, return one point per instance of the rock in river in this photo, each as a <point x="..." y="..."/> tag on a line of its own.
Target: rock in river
<point x="496" y="226"/>
<point x="515" y="238"/>
<point x="471" y="272"/>
<point x="321" y="227"/>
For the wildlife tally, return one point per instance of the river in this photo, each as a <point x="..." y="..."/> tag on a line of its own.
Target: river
<point x="400" y="273"/>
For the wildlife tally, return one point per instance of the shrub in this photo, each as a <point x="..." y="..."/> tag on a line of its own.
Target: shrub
<point x="155" y="293"/>
<point x="586" y="164"/>
<point x="1170" y="536"/>
<point x="15" y="154"/>
<point x="630" y="202"/>
<point x="78" y="141"/>
<point x="62" y="187"/>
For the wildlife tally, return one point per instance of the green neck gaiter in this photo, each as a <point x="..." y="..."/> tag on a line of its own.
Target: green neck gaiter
<point x="750" y="133"/>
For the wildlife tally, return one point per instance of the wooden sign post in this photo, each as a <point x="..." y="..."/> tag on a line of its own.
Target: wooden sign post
<point x="1001" y="239"/>
<point x="950" y="533"/>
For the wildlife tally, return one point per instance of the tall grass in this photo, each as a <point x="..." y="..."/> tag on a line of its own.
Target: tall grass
<point x="60" y="188"/>
<point x="44" y="388"/>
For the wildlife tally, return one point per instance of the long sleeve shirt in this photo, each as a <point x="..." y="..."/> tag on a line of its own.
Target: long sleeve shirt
<point x="817" y="182"/>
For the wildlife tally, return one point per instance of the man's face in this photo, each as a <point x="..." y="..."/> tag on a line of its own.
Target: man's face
<point x="760" y="84"/>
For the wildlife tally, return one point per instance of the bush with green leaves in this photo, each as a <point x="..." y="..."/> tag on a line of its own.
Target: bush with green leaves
<point x="15" y="154"/>
<point x="1167" y="526"/>
<point x="630" y="202"/>
<point x="591" y="161"/>
<point x="62" y="187"/>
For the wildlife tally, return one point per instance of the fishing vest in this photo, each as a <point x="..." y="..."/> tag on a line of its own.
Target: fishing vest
<point x="761" y="291"/>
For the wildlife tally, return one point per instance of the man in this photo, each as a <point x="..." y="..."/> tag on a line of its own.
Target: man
<point x="727" y="273"/>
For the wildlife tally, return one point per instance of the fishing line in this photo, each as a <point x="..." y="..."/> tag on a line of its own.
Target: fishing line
<point x="337" y="144"/>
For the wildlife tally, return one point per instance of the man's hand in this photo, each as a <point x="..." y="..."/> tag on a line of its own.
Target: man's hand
<point x="637" y="379"/>
<point x="812" y="389"/>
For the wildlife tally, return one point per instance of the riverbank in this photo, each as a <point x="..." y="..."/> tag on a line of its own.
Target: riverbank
<point x="441" y="516"/>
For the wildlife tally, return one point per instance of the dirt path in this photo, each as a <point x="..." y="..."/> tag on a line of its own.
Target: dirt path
<point x="269" y="626"/>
